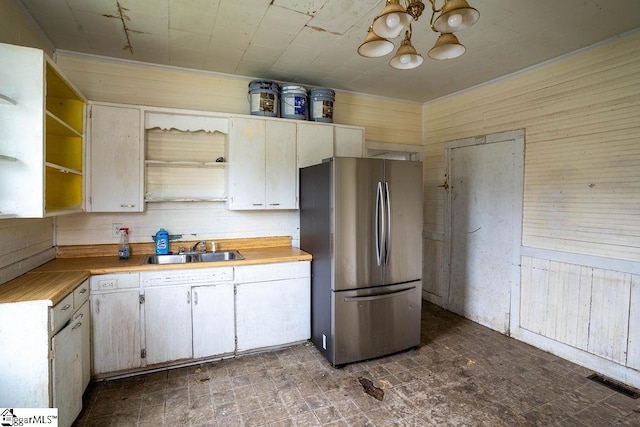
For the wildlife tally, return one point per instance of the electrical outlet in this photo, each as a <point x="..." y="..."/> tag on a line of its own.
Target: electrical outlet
<point x="108" y="284"/>
<point x="115" y="230"/>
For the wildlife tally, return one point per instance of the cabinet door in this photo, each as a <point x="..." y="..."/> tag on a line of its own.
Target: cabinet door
<point x="281" y="166"/>
<point x="83" y="317"/>
<point x="115" y="321"/>
<point x="167" y="320"/>
<point x="67" y="372"/>
<point x="348" y="142"/>
<point x="213" y="320"/>
<point x="246" y="166"/>
<point x="115" y="183"/>
<point x="315" y="143"/>
<point x="273" y="313"/>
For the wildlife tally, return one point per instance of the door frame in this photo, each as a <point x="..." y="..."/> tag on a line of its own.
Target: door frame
<point x="518" y="136"/>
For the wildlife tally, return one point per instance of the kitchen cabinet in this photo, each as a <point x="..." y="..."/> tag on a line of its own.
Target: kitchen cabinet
<point x="185" y="156"/>
<point x="43" y="360"/>
<point x="115" y="315"/>
<point x="188" y="313"/>
<point x="273" y="305"/>
<point x="213" y="320"/>
<point x="41" y="136"/>
<point x="67" y="372"/>
<point x="262" y="164"/>
<point x="115" y="156"/>
<point x="167" y="320"/>
<point x="319" y="141"/>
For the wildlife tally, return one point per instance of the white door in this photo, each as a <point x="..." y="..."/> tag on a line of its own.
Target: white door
<point x="246" y="167"/>
<point x="281" y="166"/>
<point x="485" y="227"/>
<point x="115" y="326"/>
<point x="67" y="373"/>
<point x="167" y="320"/>
<point x="115" y="183"/>
<point x="213" y="320"/>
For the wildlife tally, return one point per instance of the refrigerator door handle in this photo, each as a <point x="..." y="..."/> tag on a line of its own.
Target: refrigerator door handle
<point x="380" y="296"/>
<point x="379" y="209"/>
<point x="387" y="242"/>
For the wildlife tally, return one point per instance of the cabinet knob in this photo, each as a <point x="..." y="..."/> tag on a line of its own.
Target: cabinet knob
<point x="66" y="307"/>
<point x="77" y="326"/>
<point x="83" y="290"/>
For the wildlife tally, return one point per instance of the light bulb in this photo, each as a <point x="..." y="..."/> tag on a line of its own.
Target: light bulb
<point x="405" y="59"/>
<point x="393" y="20"/>
<point x="454" y="20"/>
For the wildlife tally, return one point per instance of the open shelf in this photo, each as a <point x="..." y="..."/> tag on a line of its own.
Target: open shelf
<point x="185" y="199"/>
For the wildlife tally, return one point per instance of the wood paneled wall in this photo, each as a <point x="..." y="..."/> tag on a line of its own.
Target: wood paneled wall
<point x="582" y="160"/>
<point x="24" y="244"/>
<point x="128" y="82"/>
<point x="579" y="294"/>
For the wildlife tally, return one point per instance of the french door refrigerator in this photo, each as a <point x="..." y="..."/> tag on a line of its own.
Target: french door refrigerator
<point x="361" y="219"/>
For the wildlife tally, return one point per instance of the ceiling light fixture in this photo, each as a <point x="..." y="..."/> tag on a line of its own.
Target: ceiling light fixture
<point x="453" y="16"/>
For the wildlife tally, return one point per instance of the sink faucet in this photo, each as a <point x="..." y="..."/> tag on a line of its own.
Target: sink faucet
<point x="195" y="246"/>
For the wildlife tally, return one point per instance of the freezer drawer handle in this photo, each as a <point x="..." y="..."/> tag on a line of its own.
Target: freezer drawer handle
<point x="380" y="296"/>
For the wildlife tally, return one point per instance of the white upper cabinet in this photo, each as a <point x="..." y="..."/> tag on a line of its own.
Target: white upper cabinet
<point x="315" y="143"/>
<point x="115" y="161"/>
<point x="262" y="164"/>
<point x="41" y="136"/>
<point x="348" y="141"/>
<point x="319" y="141"/>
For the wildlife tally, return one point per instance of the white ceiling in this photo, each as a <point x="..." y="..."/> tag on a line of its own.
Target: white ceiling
<point x="314" y="42"/>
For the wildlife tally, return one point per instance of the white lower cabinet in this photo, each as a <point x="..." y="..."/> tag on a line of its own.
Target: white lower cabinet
<point x="213" y="320"/>
<point x="273" y="305"/>
<point x="167" y="317"/>
<point x="167" y="324"/>
<point x="67" y="372"/>
<point x="115" y="315"/>
<point x="188" y="313"/>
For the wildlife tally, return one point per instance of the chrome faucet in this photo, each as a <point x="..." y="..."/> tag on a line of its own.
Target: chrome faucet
<point x="195" y="246"/>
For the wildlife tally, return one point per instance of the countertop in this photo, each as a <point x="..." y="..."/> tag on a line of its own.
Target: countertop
<point x="57" y="278"/>
<point x="50" y="286"/>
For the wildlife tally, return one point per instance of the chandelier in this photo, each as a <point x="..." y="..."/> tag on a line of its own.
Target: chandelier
<point x="454" y="15"/>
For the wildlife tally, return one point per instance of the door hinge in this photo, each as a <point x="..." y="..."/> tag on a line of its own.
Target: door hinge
<point x="52" y="354"/>
<point x="143" y="354"/>
<point x="141" y="299"/>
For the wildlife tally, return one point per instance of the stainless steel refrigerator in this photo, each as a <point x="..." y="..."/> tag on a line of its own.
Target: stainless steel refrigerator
<point x="361" y="219"/>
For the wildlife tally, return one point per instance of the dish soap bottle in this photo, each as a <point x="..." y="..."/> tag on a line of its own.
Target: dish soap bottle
<point x="162" y="242"/>
<point x="123" y="252"/>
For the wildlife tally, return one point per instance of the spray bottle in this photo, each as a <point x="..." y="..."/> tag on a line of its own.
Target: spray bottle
<point x="123" y="252"/>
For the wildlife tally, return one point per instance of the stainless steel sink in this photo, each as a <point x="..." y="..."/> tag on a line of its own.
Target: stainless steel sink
<point x="171" y="259"/>
<point x="192" y="257"/>
<point x="220" y="256"/>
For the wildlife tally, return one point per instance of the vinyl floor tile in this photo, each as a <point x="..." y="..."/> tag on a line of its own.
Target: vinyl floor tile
<point x="463" y="374"/>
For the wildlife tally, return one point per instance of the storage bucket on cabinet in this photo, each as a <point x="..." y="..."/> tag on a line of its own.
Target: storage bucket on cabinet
<point x="321" y="101"/>
<point x="293" y="102"/>
<point x="264" y="98"/>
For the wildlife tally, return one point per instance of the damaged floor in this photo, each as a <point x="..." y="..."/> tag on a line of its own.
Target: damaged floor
<point x="462" y="375"/>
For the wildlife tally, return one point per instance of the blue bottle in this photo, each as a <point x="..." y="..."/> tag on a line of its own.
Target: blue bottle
<point x="162" y="242"/>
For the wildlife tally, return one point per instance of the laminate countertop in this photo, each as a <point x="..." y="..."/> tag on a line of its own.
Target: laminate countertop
<point x="50" y="286"/>
<point x="57" y="278"/>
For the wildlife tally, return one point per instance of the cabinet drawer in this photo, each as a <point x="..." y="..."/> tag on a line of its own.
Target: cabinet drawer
<point x="276" y="271"/>
<point x="112" y="282"/>
<point x="61" y="313"/>
<point x="195" y="276"/>
<point x="81" y="294"/>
